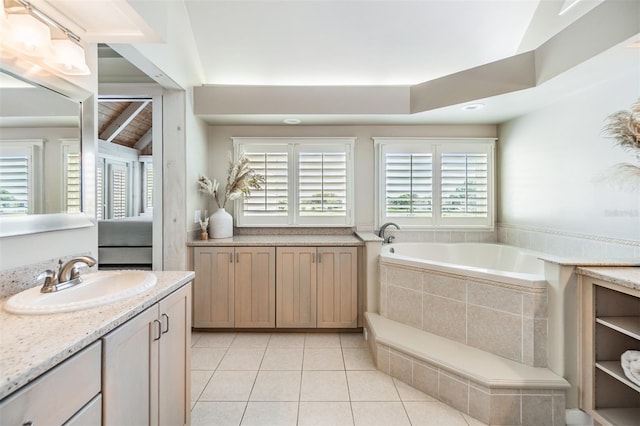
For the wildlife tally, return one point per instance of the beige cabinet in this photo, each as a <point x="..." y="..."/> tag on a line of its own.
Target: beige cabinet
<point x="296" y="287"/>
<point x="234" y="287"/>
<point x="610" y="323"/>
<point x="337" y="287"/>
<point x="67" y="394"/>
<point x="146" y="365"/>
<point x="213" y="288"/>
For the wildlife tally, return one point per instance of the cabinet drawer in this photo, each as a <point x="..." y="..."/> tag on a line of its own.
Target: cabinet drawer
<point x="56" y="396"/>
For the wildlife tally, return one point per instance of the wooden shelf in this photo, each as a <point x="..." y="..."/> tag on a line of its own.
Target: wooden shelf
<point x="627" y="325"/>
<point x="620" y="416"/>
<point x="614" y="369"/>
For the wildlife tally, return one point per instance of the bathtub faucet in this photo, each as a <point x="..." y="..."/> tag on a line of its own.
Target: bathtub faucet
<point x="386" y="240"/>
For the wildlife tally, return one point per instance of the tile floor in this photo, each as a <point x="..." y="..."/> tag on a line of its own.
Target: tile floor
<point x="302" y="379"/>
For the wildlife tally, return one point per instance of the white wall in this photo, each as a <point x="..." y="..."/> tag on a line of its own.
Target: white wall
<point x="220" y="144"/>
<point x="555" y="166"/>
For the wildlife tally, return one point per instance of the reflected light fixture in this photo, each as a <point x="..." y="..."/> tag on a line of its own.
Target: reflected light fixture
<point x="27" y="34"/>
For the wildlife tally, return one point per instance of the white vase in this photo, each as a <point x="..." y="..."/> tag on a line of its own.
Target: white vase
<point x="221" y="224"/>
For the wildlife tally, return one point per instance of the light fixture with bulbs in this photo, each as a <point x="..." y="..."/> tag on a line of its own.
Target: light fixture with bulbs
<point x="26" y="35"/>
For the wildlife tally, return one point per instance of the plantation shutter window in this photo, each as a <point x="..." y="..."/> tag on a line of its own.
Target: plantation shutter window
<point x="100" y="199"/>
<point x="20" y="181"/>
<point x="272" y="198"/>
<point x="322" y="183"/>
<point x="72" y="189"/>
<point x="408" y="185"/>
<point x="425" y="182"/>
<point x="307" y="182"/>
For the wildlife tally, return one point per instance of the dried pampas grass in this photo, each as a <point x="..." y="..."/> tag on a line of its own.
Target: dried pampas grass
<point x="624" y="128"/>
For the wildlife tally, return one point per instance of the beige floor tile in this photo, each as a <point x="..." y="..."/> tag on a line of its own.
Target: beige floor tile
<point x="322" y="340"/>
<point x="325" y="414"/>
<point x="195" y="335"/>
<point x="357" y="359"/>
<point x="199" y="379"/>
<point x="276" y="358"/>
<point x="251" y="340"/>
<point x="324" y="386"/>
<point x="287" y="340"/>
<point x="208" y="413"/>
<point x="322" y="359"/>
<point x="206" y="358"/>
<point x="215" y="340"/>
<point x="379" y="414"/>
<point x="353" y="340"/>
<point x="371" y="386"/>
<point x="270" y="413"/>
<point x="242" y="359"/>
<point x="433" y="414"/>
<point x="229" y="386"/>
<point x="276" y="386"/>
<point x="408" y="393"/>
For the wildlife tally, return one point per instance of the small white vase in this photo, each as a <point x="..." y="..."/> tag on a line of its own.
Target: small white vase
<point x="221" y="224"/>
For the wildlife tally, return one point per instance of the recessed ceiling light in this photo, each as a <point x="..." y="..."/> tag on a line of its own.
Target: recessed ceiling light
<point x="472" y="107"/>
<point x="291" y="121"/>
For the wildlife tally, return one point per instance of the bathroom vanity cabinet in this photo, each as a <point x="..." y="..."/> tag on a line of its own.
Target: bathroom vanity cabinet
<point x="275" y="287"/>
<point x="610" y="324"/>
<point x="146" y="365"/>
<point x="234" y="287"/>
<point x="68" y="394"/>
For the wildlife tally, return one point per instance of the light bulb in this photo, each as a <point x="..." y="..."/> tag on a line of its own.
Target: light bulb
<point x="28" y="35"/>
<point x="68" y="58"/>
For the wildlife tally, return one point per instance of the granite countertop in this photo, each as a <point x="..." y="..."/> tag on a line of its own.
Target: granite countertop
<point x="624" y="276"/>
<point x="280" y="240"/>
<point x="30" y="345"/>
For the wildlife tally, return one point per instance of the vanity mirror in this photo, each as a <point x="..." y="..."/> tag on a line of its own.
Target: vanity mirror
<point x="40" y="159"/>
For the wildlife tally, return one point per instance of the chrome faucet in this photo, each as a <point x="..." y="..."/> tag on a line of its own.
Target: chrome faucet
<point x="68" y="274"/>
<point x="383" y="228"/>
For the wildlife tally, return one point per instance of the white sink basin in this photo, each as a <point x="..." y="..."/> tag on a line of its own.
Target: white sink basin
<point x="97" y="288"/>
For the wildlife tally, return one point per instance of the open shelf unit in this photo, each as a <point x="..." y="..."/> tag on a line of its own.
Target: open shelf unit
<point x="610" y="321"/>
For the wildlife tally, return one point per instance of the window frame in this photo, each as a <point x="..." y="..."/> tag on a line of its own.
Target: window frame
<point x="293" y="146"/>
<point x="436" y="147"/>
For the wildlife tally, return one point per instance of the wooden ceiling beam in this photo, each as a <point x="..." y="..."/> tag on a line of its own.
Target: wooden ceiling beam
<point x="120" y="122"/>
<point x="144" y="140"/>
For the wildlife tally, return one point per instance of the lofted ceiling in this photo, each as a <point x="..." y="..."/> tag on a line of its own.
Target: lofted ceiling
<point x="393" y="44"/>
<point x="127" y="123"/>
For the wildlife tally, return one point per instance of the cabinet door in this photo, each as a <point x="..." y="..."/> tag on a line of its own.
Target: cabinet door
<point x="174" y="358"/>
<point x="255" y="287"/>
<point x="213" y="291"/>
<point x="127" y="370"/>
<point x="296" y="287"/>
<point x="337" y="287"/>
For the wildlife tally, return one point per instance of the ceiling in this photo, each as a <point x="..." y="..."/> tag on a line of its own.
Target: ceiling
<point x="384" y="43"/>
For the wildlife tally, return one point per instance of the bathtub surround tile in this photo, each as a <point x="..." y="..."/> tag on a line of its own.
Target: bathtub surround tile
<point x="425" y="378"/>
<point x="505" y="410"/>
<point x="379" y="414"/>
<point x="534" y="305"/>
<point x="383" y="358"/>
<point x="453" y="390"/>
<point x="444" y="317"/>
<point x="404" y="306"/>
<point x="405" y="278"/>
<point x="496" y="332"/>
<point x="444" y="286"/>
<point x="479" y="404"/>
<point x="410" y="393"/>
<point x="401" y="367"/>
<point x="493" y="297"/>
<point x="433" y="414"/>
<point x="325" y="414"/>
<point x="357" y="359"/>
<point x="537" y="410"/>
<point x="540" y="327"/>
